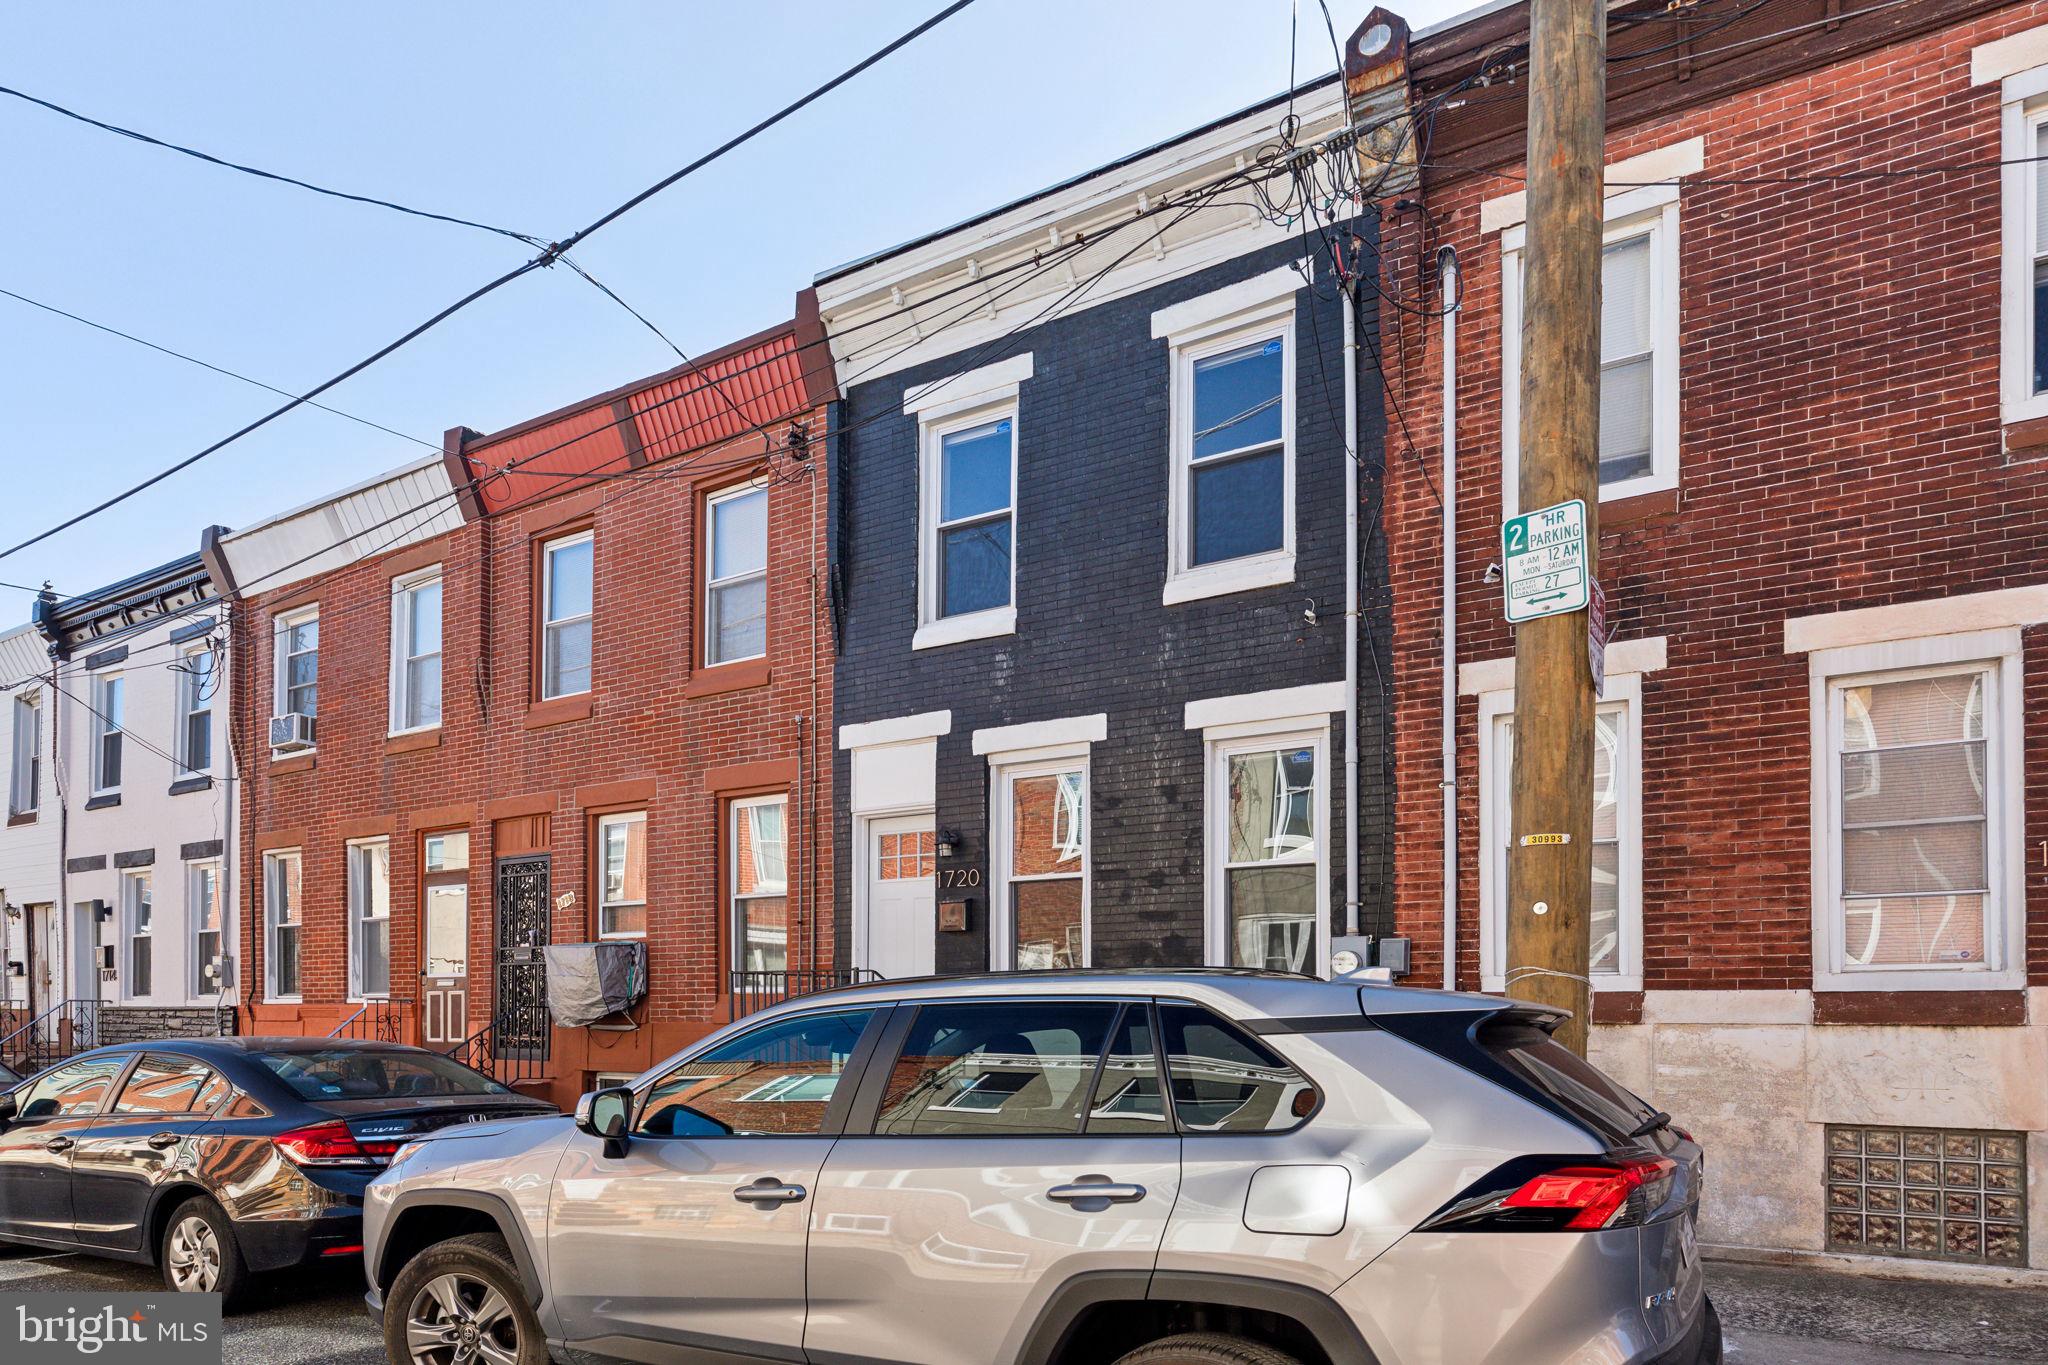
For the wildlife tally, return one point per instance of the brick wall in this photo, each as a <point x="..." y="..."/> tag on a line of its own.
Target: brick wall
<point x="1840" y="447"/>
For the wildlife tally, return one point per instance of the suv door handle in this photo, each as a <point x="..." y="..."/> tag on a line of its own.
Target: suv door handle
<point x="59" y="1144"/>
<point x="162" y="1140"/>
<point x="1098" y="1191"/>
<point x="768" y="1190"/>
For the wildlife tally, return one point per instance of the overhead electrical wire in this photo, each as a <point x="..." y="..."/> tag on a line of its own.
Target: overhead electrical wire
<point x="546" y="256"/>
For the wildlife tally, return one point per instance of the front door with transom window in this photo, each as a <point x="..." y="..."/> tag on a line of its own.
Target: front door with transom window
<point x="902" y="918"/>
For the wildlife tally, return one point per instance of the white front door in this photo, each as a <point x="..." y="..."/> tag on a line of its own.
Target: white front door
<point x="902" y="904"/>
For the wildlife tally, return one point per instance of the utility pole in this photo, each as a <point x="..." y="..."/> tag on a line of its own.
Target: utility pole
<point x="1550" y="869"/>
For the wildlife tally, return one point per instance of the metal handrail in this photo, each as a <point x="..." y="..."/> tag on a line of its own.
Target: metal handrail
<point x="66" y="1028"/>
<point x="382" y="1021"/>
<point x="757" y="990"/>
<point x="479" y="1052"/>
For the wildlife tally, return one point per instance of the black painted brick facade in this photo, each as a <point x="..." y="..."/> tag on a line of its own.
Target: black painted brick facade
<point x="1092" y="634"/>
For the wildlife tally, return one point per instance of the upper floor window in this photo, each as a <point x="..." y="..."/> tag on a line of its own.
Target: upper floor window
<point x="107" y="735"/>
<point x="567" y="597"/>
<point x="416" y="652"/>
<point x="25" y="775"/>
<point x="622" y="875"/>
<point x="298" y="663"/>
<point x="760" y="883"/>
<point x="736" y="588"/>
<point x="2024" y="344"/>
<point x="970" y="483"/>
<point x="1638" y="346"/>
<point x="195" y="710"/>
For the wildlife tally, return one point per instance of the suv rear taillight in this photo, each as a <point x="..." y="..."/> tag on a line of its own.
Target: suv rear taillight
<point x="331" y="1144"/>
<point x="1560" y="1194"/>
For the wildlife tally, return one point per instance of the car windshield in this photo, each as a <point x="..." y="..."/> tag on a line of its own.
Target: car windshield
<point x="374" y="1074"/>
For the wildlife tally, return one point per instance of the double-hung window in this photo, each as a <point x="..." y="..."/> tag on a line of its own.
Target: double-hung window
<point x="416" y="652"/>
<point x="967" y="463"/>
<point x="2024" y="330"/>
<point x="107" y="736"/>
<point x="203" y="908"/>
<point x="195" y="711"/>
<point x="736" y="586"/>
<point x="25" y="774"/>
<point x="1616" y="922"/>
<point x="1638" y="347"/>
<point x="1231" y="475"/>
<point x="567" y="598"/>
<point x="622" y="875"/>
<point x="297" y="667"/>
<point x="1269" y="850"/>
<point x="1042" y="829"/>
<point x="136" y="927"/>
<point x="369" y="919"/>
<point x="760" y="883"/>
<point x="281" y="912"/>
<point x="1917" y="855"/>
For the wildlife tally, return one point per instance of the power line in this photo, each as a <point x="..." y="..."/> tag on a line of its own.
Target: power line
<point x="209" y="365"/>
<point x="547" y="256"/>
<point x="268" y="175"/>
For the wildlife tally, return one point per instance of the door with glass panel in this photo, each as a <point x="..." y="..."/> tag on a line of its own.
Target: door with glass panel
<point x="444" y="938"/>
<point x="1042" y="856"/>
<point x="902" y="907"/>
<point x="1273" y="864"/>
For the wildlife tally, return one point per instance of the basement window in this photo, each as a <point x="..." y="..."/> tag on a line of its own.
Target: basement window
<point x="1930" y="1194"/>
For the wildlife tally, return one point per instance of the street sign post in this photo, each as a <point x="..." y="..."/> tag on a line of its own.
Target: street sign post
<point x="1543" y="554"/>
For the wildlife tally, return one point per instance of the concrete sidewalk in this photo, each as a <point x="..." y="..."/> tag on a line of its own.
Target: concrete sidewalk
<point x="1784" y="1315"/>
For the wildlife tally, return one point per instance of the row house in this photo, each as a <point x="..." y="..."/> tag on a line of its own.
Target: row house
<point x="115" y="864"/>
<point x="1820" y="916"/>
<point x="562" y="685"/>
<point x="1099" y="465"/>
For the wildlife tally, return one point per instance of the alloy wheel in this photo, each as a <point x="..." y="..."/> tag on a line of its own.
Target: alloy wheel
<point x="193" y="1256"/>
<point x="457" y="1319"/>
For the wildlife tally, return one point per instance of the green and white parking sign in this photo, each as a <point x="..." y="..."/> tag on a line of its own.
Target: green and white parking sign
<point x="1543" y="558"/>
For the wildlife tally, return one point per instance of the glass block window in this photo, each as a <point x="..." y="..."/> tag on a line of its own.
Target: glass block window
<point x="1940" y="1194"/>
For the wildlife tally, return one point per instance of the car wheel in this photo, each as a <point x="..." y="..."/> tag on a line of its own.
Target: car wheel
<point x="1205" y="1348"/>
<point x="200" y="1255"/>
<point x="460" y="1301"/>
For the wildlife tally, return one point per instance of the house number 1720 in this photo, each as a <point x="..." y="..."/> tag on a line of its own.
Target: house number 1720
<point x="950" y="877"/>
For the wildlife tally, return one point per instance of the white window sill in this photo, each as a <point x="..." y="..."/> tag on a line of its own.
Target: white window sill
<point x="1923" y="979"/>
<point x="621" y="938"/>
<point x="415" y="730"/>
<point x="283" y="1000"/>
<point x="979" y="625"/>
<point x="1234" y="575"/>
<point x="2023" y="409"/>
<point x="280" y="755"/>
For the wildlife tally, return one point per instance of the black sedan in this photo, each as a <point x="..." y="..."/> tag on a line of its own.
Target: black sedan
<point x="218" y="1158"/>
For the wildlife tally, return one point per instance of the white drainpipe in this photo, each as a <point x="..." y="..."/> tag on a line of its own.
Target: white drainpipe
<point x="1447" y="270"/>
<point x="1351" y="611"/>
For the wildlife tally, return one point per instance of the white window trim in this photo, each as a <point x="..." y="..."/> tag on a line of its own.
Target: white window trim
<point x="272" y="858"/>
<point x="1207" y="333"/>
<point x="604" y="823"/>
<point x="1284" y="708"/>
<point x="712" y="584"/>
<point x="102" y="726"/>
<point x="356" y="994"/>
<point x="281" y="634"/>
<point x="1652" y="209"/>
<point x="2023" y="108"/>
<point x="547" y="580"/>
<point x="196" y="967"/>
<point x="734" y="812"/>
<point x="24" y="778"/>
<point x="1005" y="767"/>
<point x="401" y="641"/>
<point x="1218" y="743"/>
<point x="1626" y="692"/>
<point x="190" y="704"/>
<point x="129" y="881"/>
<point x="895" y="730"/>
<point x="933" y="426"/>
<point x="1830" y="670"/>
<point x="995" y="382"/>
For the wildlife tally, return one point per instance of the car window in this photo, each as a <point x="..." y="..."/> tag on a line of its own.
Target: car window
<point x="1225" y="1081"/>
<point x="1568" y="1080"/>
<point x="162" y="1084"/>
<point x="996" y="1068"/>
<point x="1127" y="1095"/>
<point x="337" y="1075"/>
<point x="778" y="1079"/>
<point x="75" y="1088"/>
<point x="215" y="1089"/>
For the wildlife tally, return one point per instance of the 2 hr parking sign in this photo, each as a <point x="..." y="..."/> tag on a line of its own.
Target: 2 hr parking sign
<point x="1543" y="559"/>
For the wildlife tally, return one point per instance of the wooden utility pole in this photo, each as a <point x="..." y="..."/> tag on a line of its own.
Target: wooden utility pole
<point x="1550" y="879"/>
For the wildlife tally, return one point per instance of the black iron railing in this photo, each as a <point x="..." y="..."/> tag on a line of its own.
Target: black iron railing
<point x="379" y="1021"/>
<point x="758" y="990"/>
<point x="480" y="1051"/>
<point x="64" y="1030"/>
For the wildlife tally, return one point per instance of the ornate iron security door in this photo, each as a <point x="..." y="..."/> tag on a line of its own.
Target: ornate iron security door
<point x="522" y="1006"/>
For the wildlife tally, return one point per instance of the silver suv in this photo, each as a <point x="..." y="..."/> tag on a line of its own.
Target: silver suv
<point x="1166" y="1168"/>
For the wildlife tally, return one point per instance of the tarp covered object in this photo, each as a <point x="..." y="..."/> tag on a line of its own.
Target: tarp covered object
<point x="588" y="981"/>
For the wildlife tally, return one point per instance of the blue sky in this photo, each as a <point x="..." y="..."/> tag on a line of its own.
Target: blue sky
<point x="535" y="118"/>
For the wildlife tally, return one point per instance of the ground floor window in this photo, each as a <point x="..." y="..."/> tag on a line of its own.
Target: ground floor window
<point x="202" y="905"/>
<point x="136" y="912"/>
<point x="759" y="845"/>
<point x="1041" y="846"/>
<point x="369" y="919"/>
<point x="1268" y="819"/>
<point x="622" y="875"/>
<point x="281" y="924"/>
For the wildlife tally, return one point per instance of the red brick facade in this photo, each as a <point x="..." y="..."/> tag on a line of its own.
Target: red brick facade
<point x="656" y="732"/>
<point x="1840" y="447"/>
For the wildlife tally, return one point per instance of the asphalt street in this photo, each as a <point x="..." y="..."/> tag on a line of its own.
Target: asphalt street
<point x="1774" y="1315"/>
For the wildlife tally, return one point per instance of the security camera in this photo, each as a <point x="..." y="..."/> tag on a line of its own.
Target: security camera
<point x="1492" y="574"/>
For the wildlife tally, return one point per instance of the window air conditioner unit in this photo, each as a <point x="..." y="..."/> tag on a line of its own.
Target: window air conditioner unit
<point x="288" y="733"/>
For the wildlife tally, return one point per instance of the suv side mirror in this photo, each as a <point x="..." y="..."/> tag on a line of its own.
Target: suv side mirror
<point x="605" y="1114"/>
